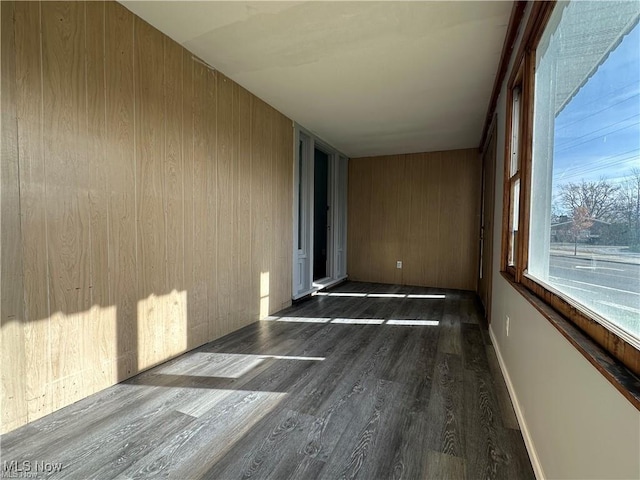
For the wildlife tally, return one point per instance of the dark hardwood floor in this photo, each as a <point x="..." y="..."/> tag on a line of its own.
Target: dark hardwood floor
<point x="339" y="386"/>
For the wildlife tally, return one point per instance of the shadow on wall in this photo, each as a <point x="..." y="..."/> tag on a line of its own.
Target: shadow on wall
<point x="150" y="198"/>
<point x="72" y="354"/>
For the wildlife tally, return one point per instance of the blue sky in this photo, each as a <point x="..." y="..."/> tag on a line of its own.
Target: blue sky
<point x="598" y="132"/>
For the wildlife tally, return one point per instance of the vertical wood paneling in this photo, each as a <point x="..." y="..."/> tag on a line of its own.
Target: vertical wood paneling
<point x="67" y="175"/>
<point x="265" y="142"/>
<point x="121" y="185"/>
<point x="33" y="208"/>
<point x="430" y="201"/>
<point x="224" y="189"/>
<point x="385" y="217"/>
<point x="235" y="232"/>
<point x="359" y="202"/>
<point x="175" y="305"/>
<point x="198" y="293"/>
<point x="283" y="182"/>
<point x="420" y="208"/>
<point x="100" y="325"/>
<point x="401" y="233"/>
<point x="12" y="344"/>
<point x="415" y="270"/>
<point x="153" y="212"/>
<point x="194" y="324"/>
<point x="211" y="225"/>
<point x="245" y="202"/>
<point x="377" y="216"/>
<point x="150" y="188"/>
<point x="256" y="186"/>
<point x="274" y="280"/>
<point x="451" y="184"/>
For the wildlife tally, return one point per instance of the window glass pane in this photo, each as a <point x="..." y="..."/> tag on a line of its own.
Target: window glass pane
<point x="585" y="184"/>
<point x="515" y="132"/>
<point x="514" y="216"/>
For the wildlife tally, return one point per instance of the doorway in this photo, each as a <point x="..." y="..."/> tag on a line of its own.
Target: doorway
<point x="320" y="215"/>
<point x="486" y="221"/>
<point x="321" y="225"/>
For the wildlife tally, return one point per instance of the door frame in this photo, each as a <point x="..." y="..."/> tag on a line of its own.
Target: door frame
<point x="485" y="276"/>
<point x="302" y="215"/>
<point x="302" y="275"/>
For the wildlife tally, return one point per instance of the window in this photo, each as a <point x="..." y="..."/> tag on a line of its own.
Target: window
<point x="571" y="226"/>
<point x="513" y="175"/>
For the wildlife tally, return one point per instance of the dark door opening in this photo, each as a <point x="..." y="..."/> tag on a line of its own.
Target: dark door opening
<point x="320" y="213"/>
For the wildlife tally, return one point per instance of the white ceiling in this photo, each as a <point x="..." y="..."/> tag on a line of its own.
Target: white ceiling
<point x="370" y="78"/>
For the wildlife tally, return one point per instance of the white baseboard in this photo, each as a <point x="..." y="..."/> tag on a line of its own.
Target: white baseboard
<point x="533" y="456"/>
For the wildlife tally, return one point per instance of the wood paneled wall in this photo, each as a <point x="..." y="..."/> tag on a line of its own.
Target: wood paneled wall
<point x="422" y="209"/>
<point x="146" y="203"/>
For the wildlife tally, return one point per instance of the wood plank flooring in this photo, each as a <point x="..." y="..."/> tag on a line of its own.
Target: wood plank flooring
<point x="365" y="381"/>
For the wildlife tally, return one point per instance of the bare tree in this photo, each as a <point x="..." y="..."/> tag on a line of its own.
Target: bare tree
<point x="556" y="211"/>
<point x="598" y="198"/>
<point x="629" y="205"/>
<point x="580" y="221"/>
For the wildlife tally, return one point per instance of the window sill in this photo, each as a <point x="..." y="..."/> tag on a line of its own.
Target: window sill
<point x="620" y="376"/>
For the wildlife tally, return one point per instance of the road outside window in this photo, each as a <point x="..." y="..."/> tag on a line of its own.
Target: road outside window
<point x="585" y="185"/>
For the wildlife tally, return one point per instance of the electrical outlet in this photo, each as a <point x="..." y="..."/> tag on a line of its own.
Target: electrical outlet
<point x="399" y="264"/>
<point x="506" y="324"/>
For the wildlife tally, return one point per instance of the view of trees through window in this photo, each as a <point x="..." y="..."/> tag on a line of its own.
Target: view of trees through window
<point x="585" y="210"/>
<point x="598" y="212"/>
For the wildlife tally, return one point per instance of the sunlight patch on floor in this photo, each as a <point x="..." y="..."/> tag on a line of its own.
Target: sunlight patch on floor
<point x="435" y="296"/>
<point x="414" y="323"/>
<point x="359" y="321"/>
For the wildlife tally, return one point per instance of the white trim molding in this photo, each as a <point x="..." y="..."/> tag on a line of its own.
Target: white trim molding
<point x="528" y="441"/>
